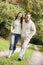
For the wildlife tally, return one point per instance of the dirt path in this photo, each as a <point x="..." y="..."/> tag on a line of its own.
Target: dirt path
<point x="37" y="58"/>
<point x="6" y="52"/>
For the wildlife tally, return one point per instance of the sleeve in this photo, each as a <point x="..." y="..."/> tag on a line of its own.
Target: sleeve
<point x="33" y="29"/>
<point x="12" y="27"/>
<point x="22" y="34"/>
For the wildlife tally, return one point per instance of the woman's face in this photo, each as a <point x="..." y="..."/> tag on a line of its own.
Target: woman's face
<point x="19" y="15"/>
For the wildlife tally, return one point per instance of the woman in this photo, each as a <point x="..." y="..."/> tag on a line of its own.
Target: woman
<point x="15" y="32"/>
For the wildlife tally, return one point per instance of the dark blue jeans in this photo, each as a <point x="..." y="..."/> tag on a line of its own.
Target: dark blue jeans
<point x="13" y="41"/>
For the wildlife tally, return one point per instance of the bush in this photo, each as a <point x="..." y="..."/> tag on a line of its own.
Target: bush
<point x="39" y="34"/>
<point x="7" y="13"/>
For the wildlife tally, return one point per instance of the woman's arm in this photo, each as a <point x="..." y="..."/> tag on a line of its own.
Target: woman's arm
<point x="12" y="27"/>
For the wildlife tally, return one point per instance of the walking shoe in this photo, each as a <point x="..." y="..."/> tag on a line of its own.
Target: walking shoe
<point x="19" y="59"/>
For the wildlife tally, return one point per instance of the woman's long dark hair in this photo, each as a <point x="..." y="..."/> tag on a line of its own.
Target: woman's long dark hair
<point x="21" y="20"/>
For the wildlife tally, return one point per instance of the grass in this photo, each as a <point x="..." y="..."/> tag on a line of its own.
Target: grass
<point x="14" y="60"/>
<point x="40" y="48"/>
<point x="4" y="44"/>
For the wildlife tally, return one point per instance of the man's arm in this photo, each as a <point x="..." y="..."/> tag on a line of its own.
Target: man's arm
<point x="33" y="29"/>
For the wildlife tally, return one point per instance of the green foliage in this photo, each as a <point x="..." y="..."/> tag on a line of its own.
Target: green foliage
<point x="9" y="11"/>
<point x="39" y="34"/>
<point x="40" y="48"/>
<point x="4" y="44"/>
<point x="7" y="14"/>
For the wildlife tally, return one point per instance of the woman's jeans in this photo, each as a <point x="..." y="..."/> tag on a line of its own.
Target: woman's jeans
<point x="13" y="41"/>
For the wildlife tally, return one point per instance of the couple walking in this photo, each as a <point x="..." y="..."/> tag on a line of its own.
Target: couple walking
<point x="24" y="29"/>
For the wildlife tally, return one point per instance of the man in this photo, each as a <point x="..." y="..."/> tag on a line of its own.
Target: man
<point x="28" y="31"/>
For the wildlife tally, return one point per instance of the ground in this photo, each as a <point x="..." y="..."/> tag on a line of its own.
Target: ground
<point x="37" y="58"/>
<point x="33" y="55"/>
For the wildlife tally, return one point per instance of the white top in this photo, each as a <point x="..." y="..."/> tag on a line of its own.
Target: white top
<point x="16" y="27"/>
<point x="28" y="29"/>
